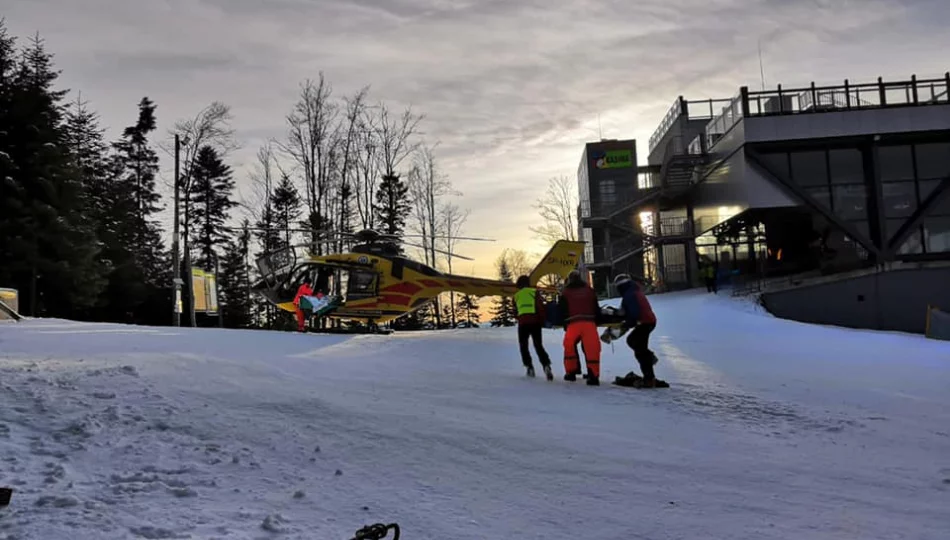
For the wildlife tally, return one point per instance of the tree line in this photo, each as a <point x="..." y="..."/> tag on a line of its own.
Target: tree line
<point x="80" y="234"/>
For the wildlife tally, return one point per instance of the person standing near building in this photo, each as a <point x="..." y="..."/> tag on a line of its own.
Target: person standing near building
<point x="709" y="275"/>
<point x="531" y="317"/>
<point x="580" y="312"/>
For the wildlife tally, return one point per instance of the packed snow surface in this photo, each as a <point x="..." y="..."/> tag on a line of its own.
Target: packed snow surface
<point x="772" y="430"/>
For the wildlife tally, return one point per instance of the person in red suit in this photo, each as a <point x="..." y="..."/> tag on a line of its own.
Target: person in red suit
<point x="303" y="290"/>
<point x="580" y="312"/>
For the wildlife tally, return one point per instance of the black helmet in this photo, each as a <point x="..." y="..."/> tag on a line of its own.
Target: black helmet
<point x="523" y="282"/>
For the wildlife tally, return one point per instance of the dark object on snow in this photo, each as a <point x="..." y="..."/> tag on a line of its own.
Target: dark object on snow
<point x="632" y="380"/>
<point x="377" y="531"/>
<point x="5" y="494"/>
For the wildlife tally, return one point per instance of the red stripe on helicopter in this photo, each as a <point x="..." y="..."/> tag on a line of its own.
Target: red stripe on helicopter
<point x="431" y="283"/>
<point x="395" y="300"/>
<point x="406" y="287"/>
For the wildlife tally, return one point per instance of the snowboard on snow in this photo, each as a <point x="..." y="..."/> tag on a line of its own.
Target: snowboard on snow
<point x="632" y="380"/>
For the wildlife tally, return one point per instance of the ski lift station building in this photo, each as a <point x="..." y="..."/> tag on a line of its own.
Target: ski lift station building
<point x="832" y="202"/>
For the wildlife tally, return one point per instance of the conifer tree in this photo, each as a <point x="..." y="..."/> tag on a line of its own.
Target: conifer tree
<point x="47" y="237"/>
<point x="235" y="280"/>
<point x="392" y="206"/>
<point x="138" y="164"/>
<point x="468" y="307"/>
<point x="504" y="309"/>
<point x="286" y="205"/>
<point x="210" y="203"/>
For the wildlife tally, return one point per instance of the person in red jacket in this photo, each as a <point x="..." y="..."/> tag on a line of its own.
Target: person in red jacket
<point x="638" y="315"/>
<point x="303" y="290"/>
<point x="580" y="312"/>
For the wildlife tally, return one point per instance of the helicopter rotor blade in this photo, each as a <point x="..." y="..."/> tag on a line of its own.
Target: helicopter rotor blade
<point x="454" y="255"/>
<point x="444" y="237"/>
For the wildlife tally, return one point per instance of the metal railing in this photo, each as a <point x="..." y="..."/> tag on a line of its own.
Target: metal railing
<point x="671" y="227"/>
<point x="849" y="96"/>
<point x="604" y="209"/>
<point x="723" y="122"/>
<point x="816" y="99"/>
<point x="693" y="110"/>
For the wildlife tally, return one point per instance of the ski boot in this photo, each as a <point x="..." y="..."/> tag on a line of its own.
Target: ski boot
<point x="593" y="380"/>
<point x="529" y="371"/>
<point x="548" y="374"/>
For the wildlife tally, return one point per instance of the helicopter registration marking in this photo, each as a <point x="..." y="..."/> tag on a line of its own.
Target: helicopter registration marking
<point x="562" y="262"/>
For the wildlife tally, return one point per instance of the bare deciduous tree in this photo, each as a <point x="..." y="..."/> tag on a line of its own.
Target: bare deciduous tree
<point x="311" y="141"/>
<point x="427" y="186"/>
<point x="393" y="137"/>
<point x="453" y="219"/>
<point x="350" y="169"/>
<point x="368" y="171"/>
<point x="210" y="127"/>
<point x="558" y="210"/>
<point x="519" y="263"/>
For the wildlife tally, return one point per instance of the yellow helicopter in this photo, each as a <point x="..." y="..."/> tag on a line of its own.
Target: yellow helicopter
<point x="378" y="284"/>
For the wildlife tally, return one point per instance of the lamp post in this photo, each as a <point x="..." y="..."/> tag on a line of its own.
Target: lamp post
<point x="177" y="282"/>
<point x="176" y="261"/>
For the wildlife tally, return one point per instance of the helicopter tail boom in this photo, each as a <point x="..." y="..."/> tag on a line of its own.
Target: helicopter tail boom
<point x="564" y="256"/>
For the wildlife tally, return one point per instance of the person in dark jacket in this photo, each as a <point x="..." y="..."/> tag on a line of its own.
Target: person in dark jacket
<point x="531" y="318"/>
<point x="580" y="312"/>
<point x="639" y="316"/>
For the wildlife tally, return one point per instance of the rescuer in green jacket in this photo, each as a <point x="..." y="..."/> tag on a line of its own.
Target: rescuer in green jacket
<point x="530" y="323"/>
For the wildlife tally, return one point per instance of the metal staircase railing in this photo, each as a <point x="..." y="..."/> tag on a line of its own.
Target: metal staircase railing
<point x="670" y="228"/>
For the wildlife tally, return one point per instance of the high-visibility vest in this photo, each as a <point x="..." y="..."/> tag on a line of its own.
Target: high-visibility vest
<point x="524" y="301"/>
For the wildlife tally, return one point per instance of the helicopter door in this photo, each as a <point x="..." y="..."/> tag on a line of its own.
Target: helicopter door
<point x="361" y="285"/>
<point x="271" y="265"/>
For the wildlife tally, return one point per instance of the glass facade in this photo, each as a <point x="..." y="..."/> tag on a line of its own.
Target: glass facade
<point x="838" y="180"/>
<point x="909" y="174"/>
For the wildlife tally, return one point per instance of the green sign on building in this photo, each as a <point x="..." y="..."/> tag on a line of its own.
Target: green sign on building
<point x="613" y="159"/>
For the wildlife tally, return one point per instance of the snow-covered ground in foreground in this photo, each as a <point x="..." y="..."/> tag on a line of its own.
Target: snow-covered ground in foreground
<point x="772" y="430"/>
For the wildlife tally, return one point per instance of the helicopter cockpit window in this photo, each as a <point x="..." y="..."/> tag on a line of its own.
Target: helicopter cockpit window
<point x="275" y="262"/>
<point x="361" y="285"/>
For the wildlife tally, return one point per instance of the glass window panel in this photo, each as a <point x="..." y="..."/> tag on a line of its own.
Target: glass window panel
<point x="896" y="163"/>
<point x="862" y="228"/>
<point x="914" y="245"/>
<point x="851" y="202"/>
<point x="933" y="160"/>
<point x="809" y="168"/>
<point x="937" y="234"/>
<point x="777" y="164"/>
<point x="822" y="195"/>
<point x="926" y="188"/>
<point x="900" y="199"/>
<point x="847" y="166"/>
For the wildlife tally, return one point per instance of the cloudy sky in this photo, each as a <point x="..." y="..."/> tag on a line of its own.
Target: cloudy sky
<point x="510" y="88"/>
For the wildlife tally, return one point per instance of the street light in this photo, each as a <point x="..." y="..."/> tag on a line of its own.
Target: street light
<point x="176" y="260"/>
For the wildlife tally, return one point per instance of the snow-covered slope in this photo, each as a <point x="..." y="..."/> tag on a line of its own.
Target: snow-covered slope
<point x="772" y="429"/>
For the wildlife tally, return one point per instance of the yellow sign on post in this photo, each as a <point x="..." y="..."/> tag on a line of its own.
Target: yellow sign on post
<point x="205" y="291"/>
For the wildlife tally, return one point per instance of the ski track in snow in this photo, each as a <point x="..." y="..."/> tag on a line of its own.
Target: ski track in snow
<point x="772" y="430"/>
